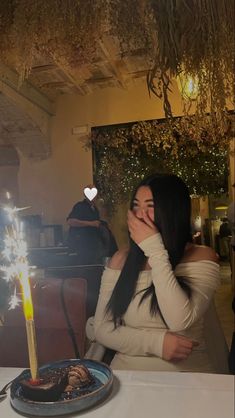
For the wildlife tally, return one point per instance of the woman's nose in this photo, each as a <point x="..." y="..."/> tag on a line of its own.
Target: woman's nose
<point x="139" y="213"/>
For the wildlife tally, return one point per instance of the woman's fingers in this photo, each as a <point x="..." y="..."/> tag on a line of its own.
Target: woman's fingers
<point x="179" y="358"/>
<point x="184" y="351"/>
<point x="139" y="230"/>
<point x="132" y="221"/>
<point x="148" y="221"/>
<point x="142" y="223"/>
<point x="184" y="340"/>
<point x="177" y="347"/>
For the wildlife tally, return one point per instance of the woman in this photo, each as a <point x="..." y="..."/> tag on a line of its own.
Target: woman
<point x="153" y="297"/>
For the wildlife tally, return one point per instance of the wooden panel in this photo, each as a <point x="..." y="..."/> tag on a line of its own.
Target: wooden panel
<point x="52" y="331"/>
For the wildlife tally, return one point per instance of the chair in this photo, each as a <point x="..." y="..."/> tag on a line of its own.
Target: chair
<point x="92" y="274"/>
<point x="60" y="319"/>
<point x="215" y="340"/>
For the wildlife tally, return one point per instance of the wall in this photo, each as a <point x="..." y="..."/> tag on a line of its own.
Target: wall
<point x="9" y="166"/>
<point x="9" y="181"/>
<point x="52" y="186"/>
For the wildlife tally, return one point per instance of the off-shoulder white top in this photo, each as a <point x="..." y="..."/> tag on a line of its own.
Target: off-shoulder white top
<point x="139" y="339"/>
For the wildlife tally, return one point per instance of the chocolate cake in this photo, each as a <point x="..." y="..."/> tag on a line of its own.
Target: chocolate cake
<point x="52" y="384"/>
<point x="47" y="389"/>
<point x="78" y="377"/>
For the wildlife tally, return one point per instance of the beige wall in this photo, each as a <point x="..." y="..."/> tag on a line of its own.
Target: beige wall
<point x="52" y="186"/>
<point x="9" y="180"/>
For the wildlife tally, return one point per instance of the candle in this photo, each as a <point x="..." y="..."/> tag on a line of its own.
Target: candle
<point x="17" y="268"/>
<point x="30" y="326"/>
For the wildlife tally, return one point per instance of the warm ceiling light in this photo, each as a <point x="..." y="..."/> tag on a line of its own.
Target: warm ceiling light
<point x="221" y="207"/>
<point x="188" y="86"/>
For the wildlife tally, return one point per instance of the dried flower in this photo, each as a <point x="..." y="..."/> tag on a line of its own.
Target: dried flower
<point x="125" y="155"/>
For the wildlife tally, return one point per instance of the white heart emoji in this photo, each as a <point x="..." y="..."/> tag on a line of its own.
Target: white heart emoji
<point x="90" y="193"/>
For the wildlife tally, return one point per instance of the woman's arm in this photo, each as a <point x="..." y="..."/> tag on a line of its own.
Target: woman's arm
<point x="135" y="342"/>
<point x="179" y="310"/>
<point x="78" y="223"/>
<point x="124" y="339"/>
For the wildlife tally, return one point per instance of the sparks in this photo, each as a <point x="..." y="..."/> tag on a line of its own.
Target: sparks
<point x="17" y="268"/>
<point x="14" y="301"/>
<point x="15" y="251"/>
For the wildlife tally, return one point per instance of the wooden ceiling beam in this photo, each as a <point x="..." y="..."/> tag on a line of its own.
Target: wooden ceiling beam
<point x="10" y="79"/>
<point x="42" y="68"/>
<point x="73" y="80"/>
<point x="114" y="64"/>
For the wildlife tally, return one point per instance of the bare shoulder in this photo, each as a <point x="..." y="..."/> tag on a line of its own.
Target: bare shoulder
<point x="118" y="259"/>
<point x="206" y="253"/>
<point x="199" y="253"/>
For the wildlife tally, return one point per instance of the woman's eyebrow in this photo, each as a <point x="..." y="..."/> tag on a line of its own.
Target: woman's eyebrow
<point x="147" y="200"/>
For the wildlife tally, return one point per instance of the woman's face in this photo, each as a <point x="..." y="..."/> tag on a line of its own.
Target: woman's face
<point x="143" y="202"/>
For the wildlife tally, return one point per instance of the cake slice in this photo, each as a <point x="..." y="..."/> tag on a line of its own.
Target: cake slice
<point x="52" y="384"/>
<point x="48" y="388"/>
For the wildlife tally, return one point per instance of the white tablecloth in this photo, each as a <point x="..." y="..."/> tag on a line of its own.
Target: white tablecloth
<point x="155" y="395"/>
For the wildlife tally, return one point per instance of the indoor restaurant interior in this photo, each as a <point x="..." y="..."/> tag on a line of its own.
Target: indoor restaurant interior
<point x="95" y="97"/>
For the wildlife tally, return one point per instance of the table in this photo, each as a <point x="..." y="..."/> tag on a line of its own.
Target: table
<point x="155" y="394"/>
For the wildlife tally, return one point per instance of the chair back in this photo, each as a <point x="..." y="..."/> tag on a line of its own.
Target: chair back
<point x="215" y="340"/>
<point x="60" y="319"/>
<point x="92" y="274"/>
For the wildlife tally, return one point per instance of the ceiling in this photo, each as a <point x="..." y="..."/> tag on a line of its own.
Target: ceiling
<point x="77" y="50"/>
<point x="109" y="69"/>
<point x="47" y="80"/>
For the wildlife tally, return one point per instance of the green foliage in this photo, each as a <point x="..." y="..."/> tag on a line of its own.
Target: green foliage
<point x="125" y="155"/>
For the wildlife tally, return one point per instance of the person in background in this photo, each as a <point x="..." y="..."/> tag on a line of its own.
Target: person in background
<point x="109" y="242"/>
<point x="154" y="297"/>
<point x="225" y="235"/>
<point x="108" y="239"/>
<point x="231" y="219"/>
<point x="196" y="230"/>
<point x="84" y="236"/>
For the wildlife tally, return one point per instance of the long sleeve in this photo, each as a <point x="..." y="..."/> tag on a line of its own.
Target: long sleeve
<point x="124" y="339"/>
<point x="179" y="310"/>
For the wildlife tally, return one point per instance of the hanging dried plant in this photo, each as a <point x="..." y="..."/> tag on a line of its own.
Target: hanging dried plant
<point x="194" y="37"/>
<point x="66" y="31"/>
<point x="199" y="157"/>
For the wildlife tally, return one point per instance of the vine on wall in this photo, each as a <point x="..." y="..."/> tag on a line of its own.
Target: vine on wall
<point x="126" y="154"/>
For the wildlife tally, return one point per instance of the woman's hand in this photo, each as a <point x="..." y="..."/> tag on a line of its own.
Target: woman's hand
<point x="177" y="347"/>
<point x="140" y="229"/>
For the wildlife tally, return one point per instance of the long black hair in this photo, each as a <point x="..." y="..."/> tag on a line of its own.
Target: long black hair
<point x="172" y="217"/>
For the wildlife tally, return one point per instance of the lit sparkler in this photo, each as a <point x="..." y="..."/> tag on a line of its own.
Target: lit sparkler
<point x="17" y="268"/>
<point x="15" y="300"/>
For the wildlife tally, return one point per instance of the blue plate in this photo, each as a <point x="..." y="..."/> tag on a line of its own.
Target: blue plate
<point x="82" y="399"/>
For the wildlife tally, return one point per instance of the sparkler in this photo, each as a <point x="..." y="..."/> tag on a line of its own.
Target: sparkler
<point x="17" y="268"/>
